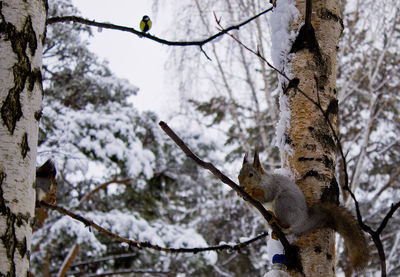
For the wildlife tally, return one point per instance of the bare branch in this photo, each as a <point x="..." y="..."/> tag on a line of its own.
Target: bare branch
<point x="76" y="19"/>
<point x="387" y="217"/>
<point x="68" y="260"/>
<point x="130" y="271"/>
<point x="307" y="20"/>
<point x="290" y="250"/>
<point x="146" y="244"/>
<point x="103" y="186"/>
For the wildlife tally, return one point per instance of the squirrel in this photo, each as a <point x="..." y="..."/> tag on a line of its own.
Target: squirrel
<point x="46" y="190"/>
<point x="46" y="185"/>
<point x="284" y="199"/>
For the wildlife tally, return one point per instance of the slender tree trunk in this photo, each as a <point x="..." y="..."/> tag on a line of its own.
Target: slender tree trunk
<point x="22" y="30"/>
<point x="308" y="147"/>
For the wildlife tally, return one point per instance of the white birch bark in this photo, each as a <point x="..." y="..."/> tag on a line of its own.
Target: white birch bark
<point x="307" y="144"/>
<point x="21" y="35"/>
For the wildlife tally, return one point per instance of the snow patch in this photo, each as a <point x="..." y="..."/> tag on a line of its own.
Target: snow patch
<point x="284" y="14"/>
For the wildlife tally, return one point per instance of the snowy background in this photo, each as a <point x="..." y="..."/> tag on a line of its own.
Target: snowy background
<point x="106" y="91"/>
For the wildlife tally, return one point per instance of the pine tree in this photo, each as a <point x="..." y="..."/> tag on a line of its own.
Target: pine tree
<point x="114" y="166"/>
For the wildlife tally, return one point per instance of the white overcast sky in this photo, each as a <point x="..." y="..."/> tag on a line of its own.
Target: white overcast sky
<point x="139" y="60"/>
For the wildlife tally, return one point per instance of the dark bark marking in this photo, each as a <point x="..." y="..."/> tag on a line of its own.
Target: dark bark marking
<point x="2" y="202"/>
<point x="322" y="80"/>
<point x="304" y="159"/>
<point x="306" y="39"/>
<point x="24" y="145"/>
<point x="293" y="83"/>
<point x="326" y="14"/>
<point x="333" y="107"/>
<point x="22" y="247"/>
<point x="325" y="140"/>
<point x="288" y="139"/>
<point x="331" y="192"/>
<point x="328" y="162"/>
<point x="310" y="147"/>
<point x="9" y="238"/>
<point x="38" y="115"/>
<point x="312" y="173"/>
<point x="36" y="76"/>
<point x="11" y="110"/>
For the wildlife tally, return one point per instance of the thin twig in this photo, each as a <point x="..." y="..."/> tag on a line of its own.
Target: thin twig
<point x="130" y="271"/>
<point x="389" y="215"/>
<point x="307" y="20"/>
<point x="102" y="186"/>
<point x="68" y="260"/>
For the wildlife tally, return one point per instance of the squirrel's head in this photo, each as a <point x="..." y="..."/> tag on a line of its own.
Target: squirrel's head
<point x="250" y="173"/>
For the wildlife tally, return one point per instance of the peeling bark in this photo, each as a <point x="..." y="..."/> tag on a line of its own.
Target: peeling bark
<point x="22" y="26"/>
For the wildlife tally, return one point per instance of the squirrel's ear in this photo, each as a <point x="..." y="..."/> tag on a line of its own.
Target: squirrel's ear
<point x="256" y="163"/>
<point x="245" y="161"/>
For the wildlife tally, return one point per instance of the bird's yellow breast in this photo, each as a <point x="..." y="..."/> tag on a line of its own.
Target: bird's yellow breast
<point x="145" y="25"/>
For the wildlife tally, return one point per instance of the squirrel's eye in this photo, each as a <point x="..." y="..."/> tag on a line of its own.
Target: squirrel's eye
<point x="250" y="175"/>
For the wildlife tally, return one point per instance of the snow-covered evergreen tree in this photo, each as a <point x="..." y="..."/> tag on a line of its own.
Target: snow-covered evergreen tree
<point x="95" y="135"/>
<point x="150" y="191"/>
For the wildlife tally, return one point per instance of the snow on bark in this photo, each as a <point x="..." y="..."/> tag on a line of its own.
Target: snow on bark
<point x="283" y="35"/>
<point x="306" y="54"/>
<point x="21" y="36"/>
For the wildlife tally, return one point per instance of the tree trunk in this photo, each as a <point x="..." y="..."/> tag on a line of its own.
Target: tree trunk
<point x="306" y="140"/>
<point x="22" y="31"/>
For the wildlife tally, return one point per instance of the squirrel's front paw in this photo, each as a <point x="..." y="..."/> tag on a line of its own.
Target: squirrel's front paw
<point x="256" y="193"/>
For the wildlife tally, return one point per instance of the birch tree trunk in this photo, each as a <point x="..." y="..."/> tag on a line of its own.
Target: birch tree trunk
<point x="22" y="31"/>
<point x="308" y="148"/>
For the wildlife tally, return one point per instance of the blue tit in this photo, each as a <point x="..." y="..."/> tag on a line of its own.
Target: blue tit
<point x="145" y="24"/>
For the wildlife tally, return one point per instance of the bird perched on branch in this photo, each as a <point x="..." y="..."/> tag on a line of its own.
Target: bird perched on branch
<point x="145" y="24"/>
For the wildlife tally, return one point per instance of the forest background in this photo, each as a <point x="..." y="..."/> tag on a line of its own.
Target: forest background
<point x="150" y="191"/>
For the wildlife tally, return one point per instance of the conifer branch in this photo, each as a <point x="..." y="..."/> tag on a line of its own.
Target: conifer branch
<point x="145" y="244"/>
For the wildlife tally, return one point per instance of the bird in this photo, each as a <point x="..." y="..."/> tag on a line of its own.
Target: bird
<point x="145" y="24"/>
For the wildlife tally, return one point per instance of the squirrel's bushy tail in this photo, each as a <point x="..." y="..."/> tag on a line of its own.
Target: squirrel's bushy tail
<point x="342" y="221"/>
<point x="338" y="218"/>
